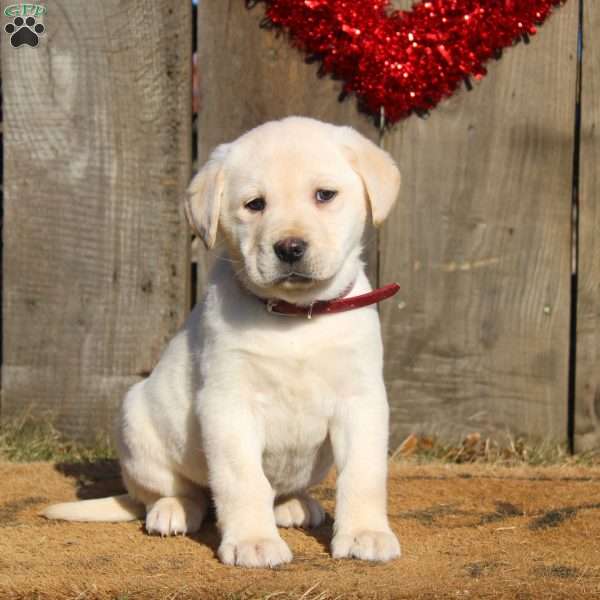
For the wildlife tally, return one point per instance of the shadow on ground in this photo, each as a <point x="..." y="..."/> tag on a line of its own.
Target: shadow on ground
<point x="94" y="479"/>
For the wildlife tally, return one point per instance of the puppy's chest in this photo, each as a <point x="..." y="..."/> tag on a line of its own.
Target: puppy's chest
<point x="312" y="372"/>
<point x="295" y="397"/>
<point x="296" y="410"/>
<point x="296" y="451"/>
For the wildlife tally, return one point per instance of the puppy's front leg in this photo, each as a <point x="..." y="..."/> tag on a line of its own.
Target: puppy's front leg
<point x="359" y="435"/>
<point x="242" y="494"/>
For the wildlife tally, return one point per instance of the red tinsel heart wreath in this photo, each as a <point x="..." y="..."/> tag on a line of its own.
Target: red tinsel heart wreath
<point x="401" y="62"/>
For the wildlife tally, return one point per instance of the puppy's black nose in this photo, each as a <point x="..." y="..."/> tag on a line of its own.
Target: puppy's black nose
<point x="290" y="250"/>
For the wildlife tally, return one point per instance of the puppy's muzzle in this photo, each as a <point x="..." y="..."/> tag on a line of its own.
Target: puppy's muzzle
<point x="290" y="250"/>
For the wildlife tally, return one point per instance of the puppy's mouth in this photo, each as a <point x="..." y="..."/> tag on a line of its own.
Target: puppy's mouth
<point x="294" y="278"/>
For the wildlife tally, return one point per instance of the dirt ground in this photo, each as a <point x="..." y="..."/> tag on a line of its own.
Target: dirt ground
<point x="466" y="531"/>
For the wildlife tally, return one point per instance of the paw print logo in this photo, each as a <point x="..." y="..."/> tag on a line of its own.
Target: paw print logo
<point x="24" y="31"/>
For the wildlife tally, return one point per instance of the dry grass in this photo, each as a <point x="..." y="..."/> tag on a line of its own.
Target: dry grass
<point x="475" y="449"/>
<point x="470" y="527"/>
<point x="311" y="593"/>
<point x="469" y="531"/>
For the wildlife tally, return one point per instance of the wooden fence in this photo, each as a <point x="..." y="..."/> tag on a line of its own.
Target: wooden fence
<point x="497" y="329"/>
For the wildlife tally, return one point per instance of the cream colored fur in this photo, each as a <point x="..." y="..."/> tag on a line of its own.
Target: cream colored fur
<point x="253" y="408"/>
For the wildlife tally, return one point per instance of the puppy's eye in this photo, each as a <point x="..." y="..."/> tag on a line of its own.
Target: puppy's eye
<point x="256" y="205"/>
<point x="323" y="196"/>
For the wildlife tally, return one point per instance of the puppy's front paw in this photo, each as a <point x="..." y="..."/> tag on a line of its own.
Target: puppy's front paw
<point x="255" y="552"/>
<point x="299" y="511"/>
<point x="366" y="545"/>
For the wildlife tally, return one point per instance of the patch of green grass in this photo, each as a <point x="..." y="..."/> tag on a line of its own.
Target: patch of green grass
<point x="28" y="439"/>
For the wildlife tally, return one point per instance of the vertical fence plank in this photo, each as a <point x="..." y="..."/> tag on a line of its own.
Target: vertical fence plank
<point x="97" y="155"/>
<point x="479" y="340"/>
<point x="587" y="397"/>
<point x="250" y="76"/>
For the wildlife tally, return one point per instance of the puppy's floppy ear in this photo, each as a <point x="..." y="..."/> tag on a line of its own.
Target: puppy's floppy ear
<point x="203" y="200"/>
<point x="376" y="168"/>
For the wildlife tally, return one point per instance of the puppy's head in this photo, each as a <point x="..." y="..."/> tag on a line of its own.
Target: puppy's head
<point x="291" y="199"/>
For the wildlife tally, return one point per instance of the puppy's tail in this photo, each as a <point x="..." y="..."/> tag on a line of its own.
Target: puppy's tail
<point x="112" y="510"/>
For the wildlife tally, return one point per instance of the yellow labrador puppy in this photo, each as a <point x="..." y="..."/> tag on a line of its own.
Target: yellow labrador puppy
<point x="252" y="402"/>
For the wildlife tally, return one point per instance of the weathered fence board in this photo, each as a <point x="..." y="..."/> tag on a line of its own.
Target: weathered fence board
<point x="96" y="257"/>
<point x="97" y="134"/>
<point x="250" y="76"/>
<point x="480" y="243"/>
<point x="587" y="398"/>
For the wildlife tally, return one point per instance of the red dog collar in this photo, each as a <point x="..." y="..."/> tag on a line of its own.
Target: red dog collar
<point x="322" y="307"/>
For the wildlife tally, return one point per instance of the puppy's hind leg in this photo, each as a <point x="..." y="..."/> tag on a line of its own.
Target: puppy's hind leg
<point x="299" y="510"/>
<point x="176" y="515"/>
<point x="174" y="505"/>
